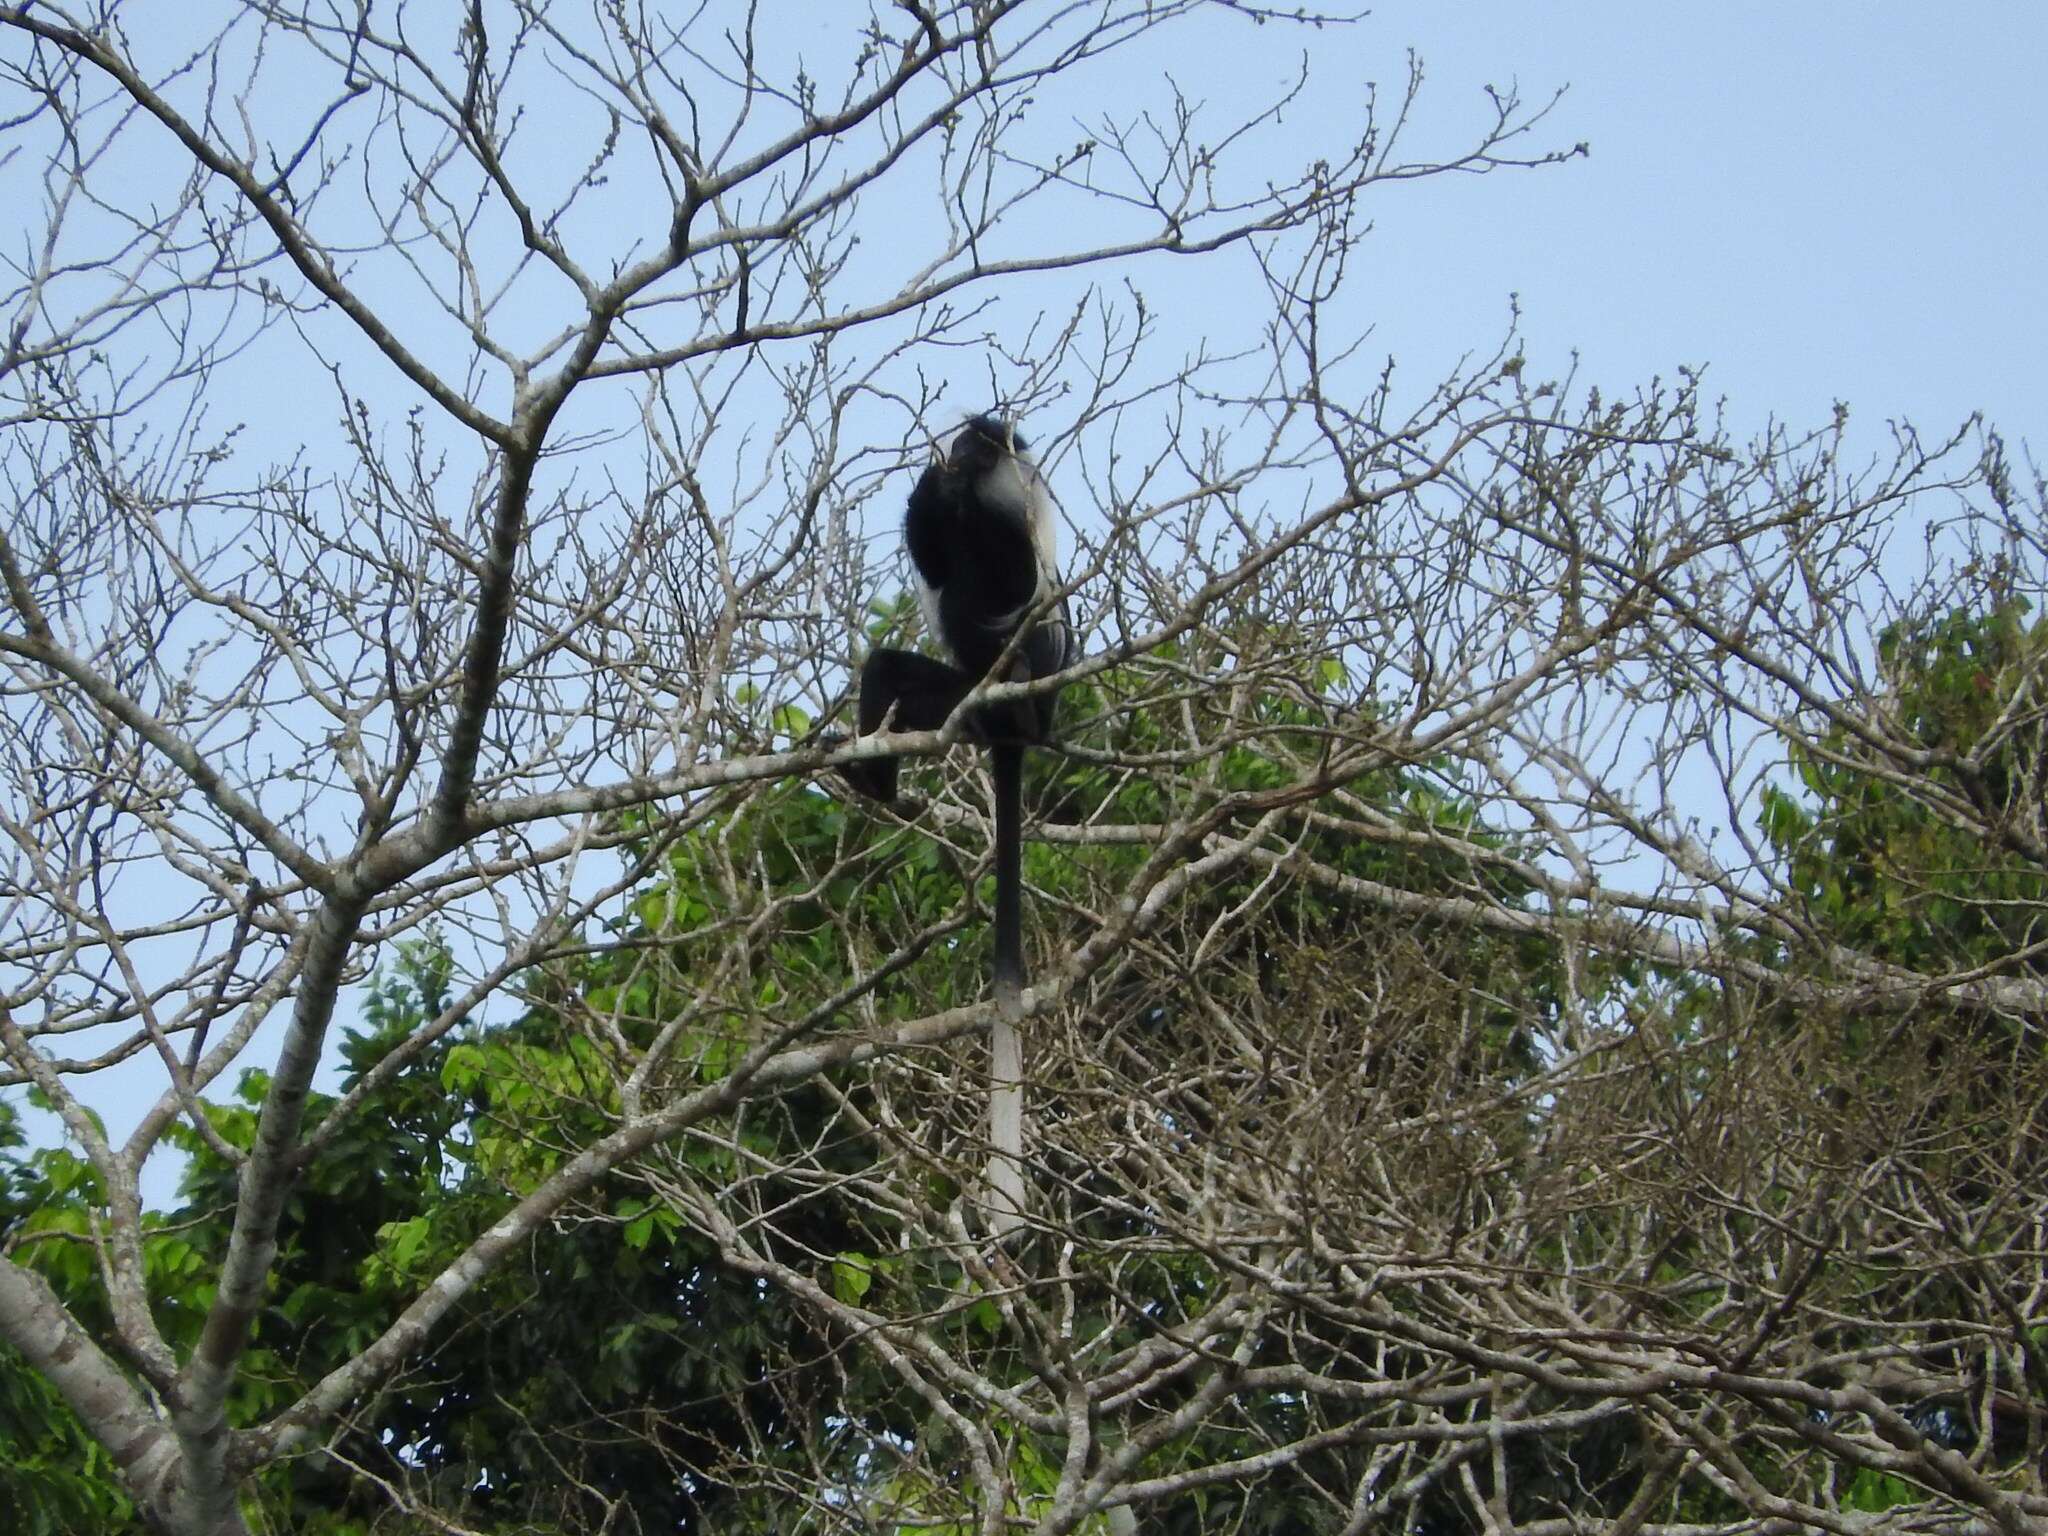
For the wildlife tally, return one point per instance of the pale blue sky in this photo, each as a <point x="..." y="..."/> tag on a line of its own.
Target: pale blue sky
<point x="1819" y="201"/>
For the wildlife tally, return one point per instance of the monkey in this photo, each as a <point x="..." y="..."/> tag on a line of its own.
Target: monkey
<point x="984" y="553"/>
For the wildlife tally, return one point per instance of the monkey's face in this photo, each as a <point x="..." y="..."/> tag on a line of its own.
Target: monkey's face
<point x="981" y="444"/>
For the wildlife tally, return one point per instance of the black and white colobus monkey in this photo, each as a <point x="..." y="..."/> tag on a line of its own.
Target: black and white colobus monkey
<point x="984" y="552"/>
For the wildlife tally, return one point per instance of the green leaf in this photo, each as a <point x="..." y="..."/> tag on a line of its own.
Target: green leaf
<point x="1872" y="1490"/>
<point x="852" y="1276"/>
<point x="463" y="1069"/>
<point x="404" y="1241"/>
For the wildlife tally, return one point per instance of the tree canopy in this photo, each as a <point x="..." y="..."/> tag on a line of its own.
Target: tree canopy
<point x="1537" y="921"/>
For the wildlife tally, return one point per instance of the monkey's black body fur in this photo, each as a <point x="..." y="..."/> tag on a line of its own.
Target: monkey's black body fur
<point x="981" y="539"/>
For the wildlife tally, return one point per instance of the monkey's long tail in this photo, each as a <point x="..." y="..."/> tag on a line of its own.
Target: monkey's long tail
<point x="1006" y="1050"/>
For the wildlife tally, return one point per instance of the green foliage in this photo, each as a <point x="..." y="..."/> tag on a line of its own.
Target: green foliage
<point x="1872" y="1492"/>
<point x="1882" y="869"/>
<point x="55" y="1479"/>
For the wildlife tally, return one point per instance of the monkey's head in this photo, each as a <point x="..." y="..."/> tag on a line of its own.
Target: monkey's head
<point x="980" y="445"/>
<point x="987" y="467"/>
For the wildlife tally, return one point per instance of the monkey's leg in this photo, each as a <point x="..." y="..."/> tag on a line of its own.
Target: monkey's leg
<point x="923" y="692"/>
<point x="1027" y="722"/>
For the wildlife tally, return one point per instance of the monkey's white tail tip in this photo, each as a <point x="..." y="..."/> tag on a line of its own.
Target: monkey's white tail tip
<point x="1004" y="1179"/>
